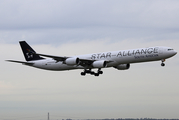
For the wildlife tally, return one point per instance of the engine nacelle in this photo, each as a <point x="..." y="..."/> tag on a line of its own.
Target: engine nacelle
<point x="99" y="64"/>
<point x="123" y="66"/>
<point x="72" y="61"/>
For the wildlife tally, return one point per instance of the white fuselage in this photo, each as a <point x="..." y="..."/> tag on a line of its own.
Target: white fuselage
<point x="115" y="58"/>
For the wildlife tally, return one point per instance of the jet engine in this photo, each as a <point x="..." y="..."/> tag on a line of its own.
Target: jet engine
<point x="123" y="66"/>
<point x="99" y="64"/>
<point x="72" y="61"/>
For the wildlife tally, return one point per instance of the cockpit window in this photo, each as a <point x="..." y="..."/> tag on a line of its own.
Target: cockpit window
<point x="170" y="49"/>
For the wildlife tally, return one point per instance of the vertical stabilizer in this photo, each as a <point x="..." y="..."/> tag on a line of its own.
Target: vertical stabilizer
<point x="28" y="52"/>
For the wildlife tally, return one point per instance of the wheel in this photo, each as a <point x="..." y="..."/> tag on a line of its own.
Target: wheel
<point x="92" y="73"/>
<point x="83" y="73"/>
<point x="100" y="72"/>
<point x="163" y="64"/>
<point x="96" y="74"/>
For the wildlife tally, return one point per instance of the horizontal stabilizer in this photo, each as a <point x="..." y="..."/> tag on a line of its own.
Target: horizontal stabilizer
<point x="25" y="63"/>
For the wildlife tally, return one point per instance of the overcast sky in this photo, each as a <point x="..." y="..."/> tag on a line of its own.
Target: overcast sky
<point x="74" y="27"/>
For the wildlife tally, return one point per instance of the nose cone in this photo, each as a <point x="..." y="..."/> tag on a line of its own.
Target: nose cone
<point x="175" y="52"/>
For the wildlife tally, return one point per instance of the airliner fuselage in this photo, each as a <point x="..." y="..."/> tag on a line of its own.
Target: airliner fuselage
<point x="120" y="60"/>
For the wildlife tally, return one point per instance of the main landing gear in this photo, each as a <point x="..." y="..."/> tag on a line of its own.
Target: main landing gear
<point x="92" y="72"/>
<point x="163" y="64"/>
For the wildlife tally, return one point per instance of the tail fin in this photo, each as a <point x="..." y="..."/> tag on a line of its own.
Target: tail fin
<point x="28" y="52"/>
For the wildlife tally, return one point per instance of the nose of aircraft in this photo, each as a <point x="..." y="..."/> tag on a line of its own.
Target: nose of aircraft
<point x="175" y="52"/>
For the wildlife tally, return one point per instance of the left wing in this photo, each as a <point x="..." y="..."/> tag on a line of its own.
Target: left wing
<point x="82" y="62"/>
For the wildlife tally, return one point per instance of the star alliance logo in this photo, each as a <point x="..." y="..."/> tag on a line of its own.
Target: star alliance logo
<point x="29" y="55"/>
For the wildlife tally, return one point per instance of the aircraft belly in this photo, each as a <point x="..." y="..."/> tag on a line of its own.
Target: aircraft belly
<point x="56" y="66"/>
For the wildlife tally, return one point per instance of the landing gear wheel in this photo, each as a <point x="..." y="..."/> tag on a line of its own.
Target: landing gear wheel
<point x="96" y="74"/>
<point x="83" y="73"/>
<point x="163" y="64"/>
<point x="88" y="71"/>
<point x="100" y="72"/>
<point x="92" y="73"/>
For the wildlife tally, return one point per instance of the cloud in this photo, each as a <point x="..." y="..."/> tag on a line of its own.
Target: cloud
<point x="67" y="28"/>
<point x="60" y="22"/>
<point x="69" y="14"/>
<point x="141" y="87"/>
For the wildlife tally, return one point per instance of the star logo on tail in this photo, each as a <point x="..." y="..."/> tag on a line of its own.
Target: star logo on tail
<point x="29" y="54"/>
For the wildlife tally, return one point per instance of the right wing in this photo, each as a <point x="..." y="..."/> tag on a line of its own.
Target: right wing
<point x="57" y="58"/>
<point x="83" y="62"/>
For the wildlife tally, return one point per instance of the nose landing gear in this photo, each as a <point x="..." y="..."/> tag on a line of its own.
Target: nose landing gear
<point x="163" y="64"/>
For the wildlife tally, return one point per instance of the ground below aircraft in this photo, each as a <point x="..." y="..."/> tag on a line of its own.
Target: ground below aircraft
<point x="120" y="60"/>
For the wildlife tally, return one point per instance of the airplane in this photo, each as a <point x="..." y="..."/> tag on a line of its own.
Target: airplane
<point x="120" y="60"/>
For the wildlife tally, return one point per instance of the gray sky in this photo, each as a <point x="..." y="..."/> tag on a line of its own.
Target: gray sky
<point x="77" y="27"/>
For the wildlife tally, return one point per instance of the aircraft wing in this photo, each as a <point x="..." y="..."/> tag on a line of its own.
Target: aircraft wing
<point x="83" y="62"/>
<point x="25" y="63"/>
<point x="60" y="58"/>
